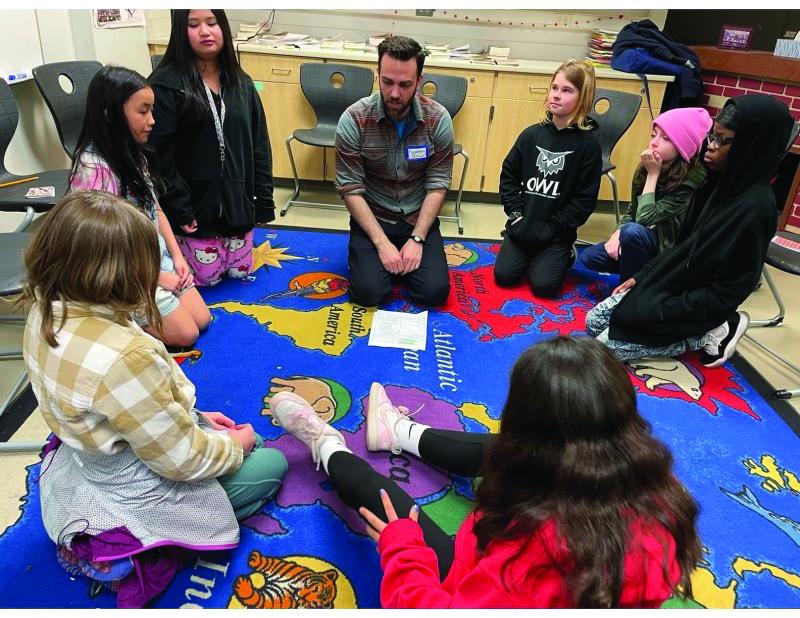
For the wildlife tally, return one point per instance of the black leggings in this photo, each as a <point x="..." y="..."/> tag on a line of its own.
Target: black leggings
<point x="358" y="484"/>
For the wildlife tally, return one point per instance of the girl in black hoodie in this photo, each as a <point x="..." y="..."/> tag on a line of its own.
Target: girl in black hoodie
<point x="211" y="147"/>
<point x="549" y="184"/>
<point x="686" y="298"/>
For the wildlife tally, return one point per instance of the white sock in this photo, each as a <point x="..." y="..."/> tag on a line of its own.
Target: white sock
<point x="408" y="434"/>
<point x="328" y="447"/>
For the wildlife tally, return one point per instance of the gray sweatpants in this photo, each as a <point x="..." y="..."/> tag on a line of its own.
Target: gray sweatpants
<point x="598" y="319"/>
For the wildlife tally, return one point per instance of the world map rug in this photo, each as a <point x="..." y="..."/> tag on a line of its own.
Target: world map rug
<point x="290" y="326"/>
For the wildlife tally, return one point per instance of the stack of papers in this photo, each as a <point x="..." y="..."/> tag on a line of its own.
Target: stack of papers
<point x="600" y="44"/>
<point x="247" y="31"/>
<point x="460" y="53"/>
<point x="495" y="56"/>
<point x="499" y="53"/>
<point x="333" y="43"/>
<point x="377" y="39"/>
<point x="354" y="45"/>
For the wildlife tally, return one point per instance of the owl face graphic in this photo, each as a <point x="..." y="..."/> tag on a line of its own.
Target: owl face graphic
<point x="551" y="162"/>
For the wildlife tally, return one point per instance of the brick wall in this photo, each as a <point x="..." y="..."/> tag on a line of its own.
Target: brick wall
<point x="719" y="87"/>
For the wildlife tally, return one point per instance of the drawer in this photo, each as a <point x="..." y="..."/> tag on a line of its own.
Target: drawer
<point x="522" y="87"/>
<point x="479" y="83"/>
<point x="265" y="68"/>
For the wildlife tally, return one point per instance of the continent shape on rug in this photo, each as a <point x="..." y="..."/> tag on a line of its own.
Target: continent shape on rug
<point x="290" y="326"/>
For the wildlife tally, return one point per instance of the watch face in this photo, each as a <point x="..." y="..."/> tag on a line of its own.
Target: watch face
<point x="417" y="239"/>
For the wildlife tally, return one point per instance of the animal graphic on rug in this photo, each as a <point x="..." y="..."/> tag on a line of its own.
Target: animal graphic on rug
<point x="328" y="398"/>
<point x="283" y="584"/>
<point x="316" y="285"/>
<point x="670" y="371"/>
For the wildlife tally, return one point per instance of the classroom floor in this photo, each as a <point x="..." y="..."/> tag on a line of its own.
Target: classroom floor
<point x="482" y="221"/>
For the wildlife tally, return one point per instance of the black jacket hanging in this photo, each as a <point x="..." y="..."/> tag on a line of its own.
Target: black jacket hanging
<point x="642" y="48"/>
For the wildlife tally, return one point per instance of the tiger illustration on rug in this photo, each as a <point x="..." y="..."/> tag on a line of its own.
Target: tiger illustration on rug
<point x="283" y="584"/>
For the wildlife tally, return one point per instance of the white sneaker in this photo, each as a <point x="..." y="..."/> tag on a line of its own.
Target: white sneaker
<point x="382" y="418"/>
<point x="296" y="416"/>
<point x="722" y="340"/>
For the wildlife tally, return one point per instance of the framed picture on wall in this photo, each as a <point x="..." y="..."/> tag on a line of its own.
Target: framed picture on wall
<point x="735" y="37"/>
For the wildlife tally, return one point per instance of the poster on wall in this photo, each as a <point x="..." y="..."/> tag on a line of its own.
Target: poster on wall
<point x="117" y="18"/>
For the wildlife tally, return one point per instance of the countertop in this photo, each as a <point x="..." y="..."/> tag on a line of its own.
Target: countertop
<point x="525" y="66"/>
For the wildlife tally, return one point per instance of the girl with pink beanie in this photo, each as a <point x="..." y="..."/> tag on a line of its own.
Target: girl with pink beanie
<point x="663" y="186"/>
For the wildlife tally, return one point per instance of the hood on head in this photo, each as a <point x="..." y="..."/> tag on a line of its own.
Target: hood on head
<point x="764" y="125"/>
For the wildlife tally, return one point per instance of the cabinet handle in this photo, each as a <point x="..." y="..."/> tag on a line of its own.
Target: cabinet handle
<point x="535" y="89"/>
<point x="471" y="80"/>
<point x="281" y="71"/>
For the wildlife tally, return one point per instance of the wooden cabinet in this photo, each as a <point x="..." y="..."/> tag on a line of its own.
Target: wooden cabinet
<point x="286" y="109"/>
<point x="277" y="80"/>
<point x="509" y="119"/>
<point x="498" y="106"/>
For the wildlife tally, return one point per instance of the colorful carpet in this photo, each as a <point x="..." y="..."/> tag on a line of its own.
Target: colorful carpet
<point x="291" y="327"/>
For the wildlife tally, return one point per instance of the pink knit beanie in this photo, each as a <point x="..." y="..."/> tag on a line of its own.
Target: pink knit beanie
<point x="686" y="127"/>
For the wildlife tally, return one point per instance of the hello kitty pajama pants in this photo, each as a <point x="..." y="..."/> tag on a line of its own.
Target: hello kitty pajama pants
<point x="212" y="258"/>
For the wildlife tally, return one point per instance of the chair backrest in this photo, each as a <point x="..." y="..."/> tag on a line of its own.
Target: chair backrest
<point x="66" y="107"/>
<point x="451" y="90"/>
<point x="155" y="59"/>
<point x="622" y="110"/>
<point x="9" y="117"/>
<point x="793" y="135"/>
<point x="331" y="88"/>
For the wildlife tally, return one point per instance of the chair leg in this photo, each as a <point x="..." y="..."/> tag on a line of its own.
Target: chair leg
<point x="15" y="391"/>
<point x="294" y="175"/>
<point x="780" y="393"/>
<point x="26" y="221"/>
<point x="21" y="447"/>
<point x="614" y="194"/>
<point x="778" y="318"/>
<point x="460" y="191"/>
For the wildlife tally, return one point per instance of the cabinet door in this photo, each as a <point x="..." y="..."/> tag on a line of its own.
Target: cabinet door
<point x="287" y="109"/>
<point x="510" y="118"/>
<point x="470" y="127"/>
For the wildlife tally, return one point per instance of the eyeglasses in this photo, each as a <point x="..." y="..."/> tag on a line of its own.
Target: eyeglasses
<point x="717" y="141"/>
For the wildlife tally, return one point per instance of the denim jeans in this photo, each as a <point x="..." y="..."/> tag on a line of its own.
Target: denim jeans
<point x="638" y="244"/>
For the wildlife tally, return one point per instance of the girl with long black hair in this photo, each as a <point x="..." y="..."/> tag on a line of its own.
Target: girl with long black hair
<point x="578" y="505"/>
<point x="211" y="147"/>
<point x="110" y="156"/>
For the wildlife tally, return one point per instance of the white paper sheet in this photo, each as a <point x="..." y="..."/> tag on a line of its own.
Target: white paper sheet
<point x="397" y="329"/>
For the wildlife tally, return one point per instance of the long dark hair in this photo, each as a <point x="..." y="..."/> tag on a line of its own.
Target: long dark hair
<point x="179" y="52"/>
<point x="669" y="179"/>
<point x="106" y="130"/>
<point x="574" y="450"/>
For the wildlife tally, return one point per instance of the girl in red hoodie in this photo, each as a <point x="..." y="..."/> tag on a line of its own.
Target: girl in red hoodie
<point x="577" y="507"/>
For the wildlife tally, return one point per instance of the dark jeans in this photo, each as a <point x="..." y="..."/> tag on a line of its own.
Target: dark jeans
<point x="357" y="484"/>
<point x="638" y="245"/>
<point x="546" y="266"/>
<point x="371" y="283"/>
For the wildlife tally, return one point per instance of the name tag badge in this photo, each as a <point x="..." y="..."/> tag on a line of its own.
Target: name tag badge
<point x="416" y="153"/>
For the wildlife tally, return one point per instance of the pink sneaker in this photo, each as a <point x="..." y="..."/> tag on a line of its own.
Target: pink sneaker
<point x="382" y="419"/>
<point x="296" y="416"/>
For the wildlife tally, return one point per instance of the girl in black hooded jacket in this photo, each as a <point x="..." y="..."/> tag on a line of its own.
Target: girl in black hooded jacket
<point x="687" y="298"/>
<point x="210" y="147"/>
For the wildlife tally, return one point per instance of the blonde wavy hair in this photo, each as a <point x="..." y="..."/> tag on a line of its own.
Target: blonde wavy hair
<point x="580" y="74"/>
<point x="92" y="248"/>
